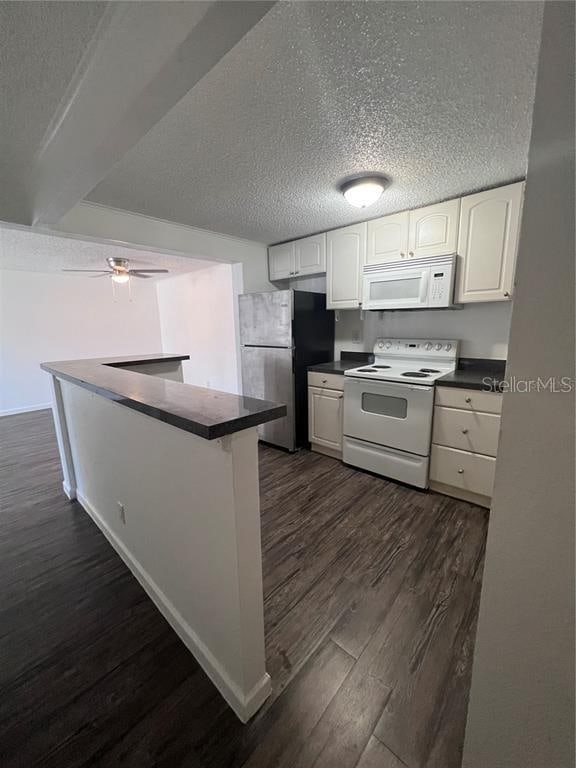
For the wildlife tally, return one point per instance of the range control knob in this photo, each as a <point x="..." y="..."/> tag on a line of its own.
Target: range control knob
<point x="448" y="347"/>
<point x="438" y="347"/>
<point x="428" y="346"/>
<point x="380" y="344"/>
<point x="388" y="345"/>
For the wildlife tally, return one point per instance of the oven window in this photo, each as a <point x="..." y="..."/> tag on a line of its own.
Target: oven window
<point x="405" y="288"/>
<point x="384" y="405"/>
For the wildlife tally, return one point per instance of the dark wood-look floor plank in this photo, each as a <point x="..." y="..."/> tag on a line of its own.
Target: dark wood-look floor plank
<point x="376" y="755"/>
<point x="370" y="592"/>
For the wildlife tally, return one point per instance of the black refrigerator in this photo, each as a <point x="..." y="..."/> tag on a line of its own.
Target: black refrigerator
<point x="282" y="333"/>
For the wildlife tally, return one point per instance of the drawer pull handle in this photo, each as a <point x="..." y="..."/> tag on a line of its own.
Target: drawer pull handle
<point x="468" y="399"/>
<point x="464" y="431"/>
<point x="324" y="381"/>
<point x="460" y="471"/>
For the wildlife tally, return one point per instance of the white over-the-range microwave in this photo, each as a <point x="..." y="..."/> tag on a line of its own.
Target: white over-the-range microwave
<point x="414" y="284"/>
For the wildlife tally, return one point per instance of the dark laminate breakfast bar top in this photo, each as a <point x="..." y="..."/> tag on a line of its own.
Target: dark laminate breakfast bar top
<point x="204" y="412"/>
<point x="347" y="360"/>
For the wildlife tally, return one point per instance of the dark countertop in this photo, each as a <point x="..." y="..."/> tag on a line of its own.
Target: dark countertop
<point x="472" y="373"/>
<point x="207" y="413"/>
<point x="476" y="373"/>
<point x="347" y="360"/>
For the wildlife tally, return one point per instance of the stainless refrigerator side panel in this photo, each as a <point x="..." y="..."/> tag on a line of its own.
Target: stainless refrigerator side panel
<point x="266" y="319"/>
<point x="267" y="374"/>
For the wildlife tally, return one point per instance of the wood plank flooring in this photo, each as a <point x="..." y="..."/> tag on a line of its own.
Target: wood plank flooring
<point x="371" y="598"/>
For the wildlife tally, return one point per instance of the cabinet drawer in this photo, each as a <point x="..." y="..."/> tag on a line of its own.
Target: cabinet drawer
<point x="467" y="430"/>
<point x="326" y="380"/>
<point x="469" y="399"/>
<point x="461" y="469"/>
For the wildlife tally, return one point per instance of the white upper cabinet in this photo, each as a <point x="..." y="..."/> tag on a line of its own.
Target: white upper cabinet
<point x="310" y="255"/>
<point x="388" y="238"/>
<point x="487" y="244"/>
<point x="345" y="257"/>
<point x="300" y="257"/>
<point x="433" y="230"/>
<point x="281" y="261"/>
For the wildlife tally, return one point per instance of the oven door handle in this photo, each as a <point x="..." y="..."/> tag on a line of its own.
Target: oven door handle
<point x="395" y="385"/>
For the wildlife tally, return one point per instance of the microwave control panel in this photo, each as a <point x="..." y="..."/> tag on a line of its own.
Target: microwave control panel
<point x="441" y="287"/>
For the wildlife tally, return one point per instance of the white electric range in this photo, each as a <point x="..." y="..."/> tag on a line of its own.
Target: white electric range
<point x="388" y="407"/>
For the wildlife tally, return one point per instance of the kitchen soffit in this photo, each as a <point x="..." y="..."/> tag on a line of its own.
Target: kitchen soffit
<point x="438" y="95"/>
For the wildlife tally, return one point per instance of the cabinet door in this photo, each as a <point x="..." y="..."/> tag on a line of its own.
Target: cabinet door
<point x="325" y="417"/>
<point x="281" y="261"/>
<point x="310" y="255"/>
<point x="434" y="230"/>
<point x="487" y="244"/>
<point x="345" y="255"/>
<point x="388" y="238"/>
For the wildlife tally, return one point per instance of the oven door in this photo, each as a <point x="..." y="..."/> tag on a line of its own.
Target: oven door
<point x="389" y="414"/>
<point x="405" y="288"/>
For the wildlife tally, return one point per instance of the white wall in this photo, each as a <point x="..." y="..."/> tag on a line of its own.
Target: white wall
<point x="101" y="222"/>
<point x="483" y="329"/>
<point x="57" y="317"/>
<point x="521" y="712"/>
<point x="197" y="317"/>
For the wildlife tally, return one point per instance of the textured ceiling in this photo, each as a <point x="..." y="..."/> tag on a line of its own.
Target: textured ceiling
<point x="29" y="251"/>
<point x="436" y="94"/>
<point x="41" y="44"/>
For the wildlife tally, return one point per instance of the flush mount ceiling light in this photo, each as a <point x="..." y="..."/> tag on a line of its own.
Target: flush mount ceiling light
<point x="362" y="191"/>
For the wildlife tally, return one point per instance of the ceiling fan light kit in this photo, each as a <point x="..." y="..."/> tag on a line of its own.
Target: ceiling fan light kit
<point x="120" y="272"/>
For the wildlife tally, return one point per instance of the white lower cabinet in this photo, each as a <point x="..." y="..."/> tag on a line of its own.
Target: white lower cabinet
<point x="465" y="437"/>
<point x="325" y="409"/>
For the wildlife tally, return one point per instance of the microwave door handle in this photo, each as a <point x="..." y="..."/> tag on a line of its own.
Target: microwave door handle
<point x="424" y="286"/>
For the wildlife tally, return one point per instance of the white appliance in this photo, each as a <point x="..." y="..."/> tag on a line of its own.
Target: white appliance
<point x="415" y="284"/>
<point x="388" y="407"/>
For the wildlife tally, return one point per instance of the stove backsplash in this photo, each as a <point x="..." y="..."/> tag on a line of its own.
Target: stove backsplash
<point x="483" y="329"/>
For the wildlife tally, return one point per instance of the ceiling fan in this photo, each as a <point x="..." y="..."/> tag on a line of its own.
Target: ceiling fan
<point x="120" y="271"/>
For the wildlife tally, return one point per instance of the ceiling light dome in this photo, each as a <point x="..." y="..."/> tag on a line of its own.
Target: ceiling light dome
<point x="363" y="191"/>
<point x="120" y="277"/>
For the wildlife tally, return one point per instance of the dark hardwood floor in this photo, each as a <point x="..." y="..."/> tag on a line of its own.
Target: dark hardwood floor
<point x="371" y="596"/>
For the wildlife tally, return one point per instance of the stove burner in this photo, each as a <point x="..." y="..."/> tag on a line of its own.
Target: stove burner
<point x="429" y="370"/>
<point x="381" y="366"/>
<point x="366" y="370"/>
<point x="416" y="374"/>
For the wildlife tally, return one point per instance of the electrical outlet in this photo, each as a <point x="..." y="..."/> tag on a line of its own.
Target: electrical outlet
<point x="356" y="337"/>
<point x="122" y="513"/>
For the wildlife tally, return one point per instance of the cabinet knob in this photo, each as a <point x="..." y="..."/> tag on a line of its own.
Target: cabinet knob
<point x="402" y="254"/>
<point x="507" y="294"/>
<point x="464" y="431"/>
<point x="460" y="471"/>
<point x="324" y="381"/>
<point x="411" y="253"/>
<point x="468" y="399"/>
<point x="297" y="272"/>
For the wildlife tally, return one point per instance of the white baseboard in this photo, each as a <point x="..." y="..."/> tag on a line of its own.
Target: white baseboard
<point x="26" y="409"/>
<point x="244" y="705"/>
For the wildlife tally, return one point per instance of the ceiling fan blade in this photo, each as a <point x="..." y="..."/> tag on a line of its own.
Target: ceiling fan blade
<point x="98" y="271"/>
<point x="144" y="277"/>
<point x="147" y="271"/>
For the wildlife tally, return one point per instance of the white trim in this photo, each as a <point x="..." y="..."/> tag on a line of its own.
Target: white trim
<point x="244" y="706"/>
<point x="26" y="409"/>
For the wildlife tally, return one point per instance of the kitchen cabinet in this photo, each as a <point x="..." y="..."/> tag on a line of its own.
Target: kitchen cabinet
<point x="298" y="258"/>
<point x="310" y="255"/>
<point x="433" y="231"/>
<point x="465" y="436"/>
<point x="388" y="238"/>
<point x="488" y="243"/>
<point x="281" y="261"/>
<point x="345" y="258"/>
<point x="325" y="409"/>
